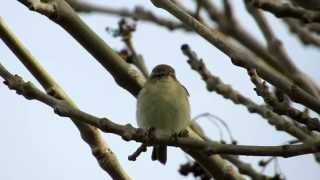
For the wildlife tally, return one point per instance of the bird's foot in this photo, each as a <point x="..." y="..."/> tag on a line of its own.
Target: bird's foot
<point x="175" y="136"/>
<point x="183" y="133"/>
<point x="151" y="133"/>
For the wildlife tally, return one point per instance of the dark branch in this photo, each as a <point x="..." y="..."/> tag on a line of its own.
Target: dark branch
<point x="287" y="10"/>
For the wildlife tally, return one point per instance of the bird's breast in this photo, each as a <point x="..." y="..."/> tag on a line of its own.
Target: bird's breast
<point x="163" y="105"/>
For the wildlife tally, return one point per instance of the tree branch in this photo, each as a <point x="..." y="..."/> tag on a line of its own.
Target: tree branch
<point x="215" y="84"/>
<point x="276" y="47"/>
<point x="304" y="34"/>
<point x="287" y="10"/>
<point x="242" y="57"/>
<point x="230" y="26"/>
<point x="91" y="135"/>
<point x="60" y="12"/>
<point x="138" y="13"/>
<point x="282" y="108"/>
<point x="72" y="23"/>
<point x="246" y="168"/>
<point x="128" y="132"/>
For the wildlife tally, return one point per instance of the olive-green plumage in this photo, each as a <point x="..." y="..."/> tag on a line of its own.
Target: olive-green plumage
<point x="163" y="104"/>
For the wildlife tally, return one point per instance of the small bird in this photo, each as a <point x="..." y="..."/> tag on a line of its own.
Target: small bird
<point x="163" y="105"/>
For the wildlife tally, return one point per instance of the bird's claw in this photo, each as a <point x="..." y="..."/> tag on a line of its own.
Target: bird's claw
<point x="183" y="133"/>
<point x="151" y="132"/>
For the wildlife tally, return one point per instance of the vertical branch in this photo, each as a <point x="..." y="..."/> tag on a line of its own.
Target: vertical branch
<point x="125" y="30"/>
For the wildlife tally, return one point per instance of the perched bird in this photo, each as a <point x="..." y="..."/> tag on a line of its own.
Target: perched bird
<point x="163" y="105"/>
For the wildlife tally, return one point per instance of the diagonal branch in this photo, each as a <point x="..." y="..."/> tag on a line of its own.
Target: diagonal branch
<point x="303" y="33"/>
<point x="242" y="57"/>
<point x="60" y="12"/>
<point x="287" y="10"/>
<point x="282" y="108"/>
<point x="246" y="168"/>
<point x="215" y="84"/>
<point x="91" y="135"/>
<point x="276" y="47"/>
<point x="230" y="26"/>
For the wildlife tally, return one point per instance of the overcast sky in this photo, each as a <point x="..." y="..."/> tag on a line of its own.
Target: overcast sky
<point x="36" y="144"/>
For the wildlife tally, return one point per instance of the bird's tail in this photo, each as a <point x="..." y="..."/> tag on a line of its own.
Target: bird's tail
<point x="159" y="153"/>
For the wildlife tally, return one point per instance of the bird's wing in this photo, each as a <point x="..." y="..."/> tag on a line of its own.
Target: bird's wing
<point x="186" y="90"/>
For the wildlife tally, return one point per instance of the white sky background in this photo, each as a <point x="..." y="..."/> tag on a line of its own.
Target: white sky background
<point x="36" y="144"/>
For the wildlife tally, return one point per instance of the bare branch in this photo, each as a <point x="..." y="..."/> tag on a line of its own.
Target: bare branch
<point x="304" y="34"/>
<point x="282" y="108"/>
<point x="230" y="26"/>
<point x="91" y="135"/>
<point x="125" y="30"/>
<point x="139" y="13"/>
<point x="120" y="71"/>
<point x="215" y="84"/>
<point x="142" y="148"/>
<point x="242" y="57"/>
<point x="276" y="47"/>
<point x="245" y="168"/>
<point x="307" y="4"/>
<point x="287" y="10"/>
<point x="127" y="132"/>
<point x="60" y="12"/>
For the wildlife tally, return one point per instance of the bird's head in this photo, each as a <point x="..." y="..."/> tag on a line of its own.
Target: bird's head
<point x="162" y="70"/>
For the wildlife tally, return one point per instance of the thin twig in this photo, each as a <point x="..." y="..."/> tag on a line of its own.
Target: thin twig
<point x="138" y="13"/>
<point x="142" y="148"/>
<point x="125" y="30"/>
<point x="282" y="108"/>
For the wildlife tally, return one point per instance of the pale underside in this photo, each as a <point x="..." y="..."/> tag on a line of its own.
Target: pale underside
<point x="163" y="104"/>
